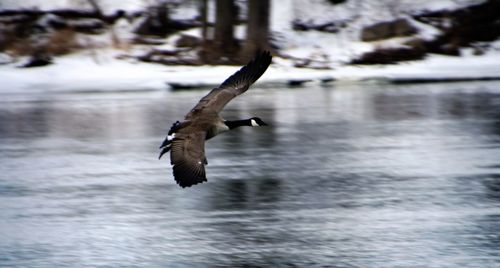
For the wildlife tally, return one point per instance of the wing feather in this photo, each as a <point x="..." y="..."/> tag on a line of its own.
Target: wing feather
<point x="188" y="159"/>
<point x="233" y="86"/>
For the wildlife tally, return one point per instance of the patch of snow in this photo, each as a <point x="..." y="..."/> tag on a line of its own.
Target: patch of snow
<point x="107" y="6"/>
<point x="437" y="5"/>
<point x="336" y="48"/>
<point x="345" y="45"/>
<point x="425" y="31"/>
<point x="83" y="71"/>
<point x="123" y="30"/>
<point x="437" y="67"/>
<point x="99" y="69"/>
<point x="104" y="72"/>
<point x="185" y="10"/>
<point x="281" y="15"/>
<point x="495" y="45"/>
<point x="5" y="58"/>
<point x="369" y="11"/>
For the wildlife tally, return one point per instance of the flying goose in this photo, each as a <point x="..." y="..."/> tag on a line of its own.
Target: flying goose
<point x="186" y="139"/>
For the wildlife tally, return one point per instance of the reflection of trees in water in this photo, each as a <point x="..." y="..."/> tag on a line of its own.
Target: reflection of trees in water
<point x="305" y="177"/>
<point x="449" y="104"/>
<point x="107" y="119"/>
<point x="477" y="197"/>
<point x="481" y="107"/>
<point x="28" y="122"/>
<point x="44" y="119"/>
<point x="245" y="144"/>
<point x="232" y="196"/>
<point x="254" y="193"/>
<point x="491" y="183"/>
<point x="252" y="231"/>
<point x="487" y="226"/>
<point x="461" y="105"/>
<point x="402" y="107"/>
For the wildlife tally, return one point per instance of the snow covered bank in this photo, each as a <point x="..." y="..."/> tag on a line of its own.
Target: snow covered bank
<point x="434" y="68"/>
<point x="104" y="72"/>
<point x="99" y="69"/>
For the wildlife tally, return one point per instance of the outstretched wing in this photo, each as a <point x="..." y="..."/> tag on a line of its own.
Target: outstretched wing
<point x="188" y="159"/>
<point x="233" y="86"/>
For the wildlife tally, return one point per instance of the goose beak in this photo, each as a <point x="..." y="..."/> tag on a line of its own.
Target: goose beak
<point x="163" y="151"/>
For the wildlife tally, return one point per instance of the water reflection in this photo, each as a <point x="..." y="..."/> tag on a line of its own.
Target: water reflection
<point x="347" y="176"/>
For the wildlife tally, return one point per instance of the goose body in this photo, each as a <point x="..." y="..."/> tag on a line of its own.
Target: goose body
<point x="186" y="139"/>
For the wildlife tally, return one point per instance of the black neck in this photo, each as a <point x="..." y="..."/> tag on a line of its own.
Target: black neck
<point x="238" y="123"/>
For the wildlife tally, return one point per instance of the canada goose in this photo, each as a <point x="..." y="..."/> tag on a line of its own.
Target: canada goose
<point x="186" y="139"/>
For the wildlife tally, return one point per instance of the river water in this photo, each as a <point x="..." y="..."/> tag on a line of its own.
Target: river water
<point x="366" y="175"/>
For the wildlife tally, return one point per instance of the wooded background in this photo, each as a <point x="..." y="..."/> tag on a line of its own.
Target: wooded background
<point x="219" y="40"/>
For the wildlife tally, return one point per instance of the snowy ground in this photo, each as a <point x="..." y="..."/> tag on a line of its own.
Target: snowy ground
<point x="103" y="72"/>
<point x="100" y="70"/>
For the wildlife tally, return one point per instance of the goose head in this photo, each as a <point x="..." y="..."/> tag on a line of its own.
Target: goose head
<point x="257" y="122"/>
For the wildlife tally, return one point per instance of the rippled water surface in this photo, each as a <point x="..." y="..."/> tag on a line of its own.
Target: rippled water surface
<point x="345" y="176"/>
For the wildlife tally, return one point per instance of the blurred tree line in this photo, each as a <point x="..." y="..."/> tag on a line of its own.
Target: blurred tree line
<point x="218" y="44"/>
<point x="43" y="34"/>
<point x="218" y="40"/>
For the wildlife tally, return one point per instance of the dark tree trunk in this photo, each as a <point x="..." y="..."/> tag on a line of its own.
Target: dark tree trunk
<point x="257" y="27"/>
<point x="204" y="20"/>
<point x="205" y="39"/>
<point x="225" y="19"/>
<point x="157" y="21"/>
<point x="95" y="6"/>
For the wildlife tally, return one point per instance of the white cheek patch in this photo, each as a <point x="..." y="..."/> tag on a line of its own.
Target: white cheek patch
<point x="171" y="137"/>
<point x="254" y="124"/>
